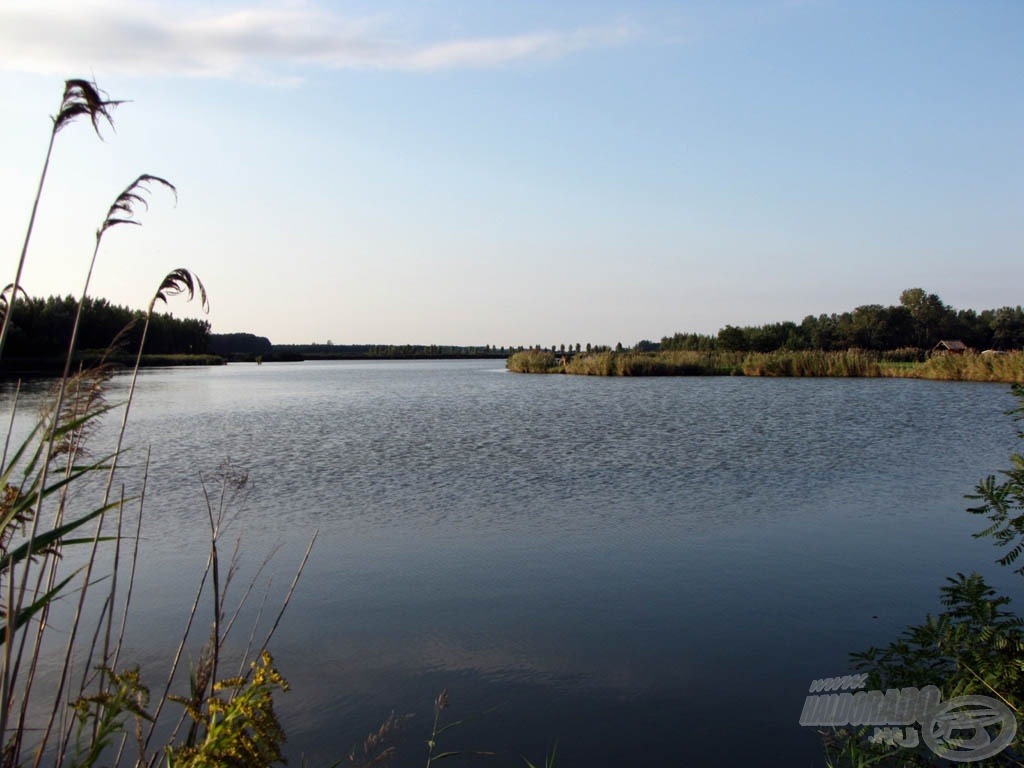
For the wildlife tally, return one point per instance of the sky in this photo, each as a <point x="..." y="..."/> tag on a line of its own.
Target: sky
<point x="480" y="172"/>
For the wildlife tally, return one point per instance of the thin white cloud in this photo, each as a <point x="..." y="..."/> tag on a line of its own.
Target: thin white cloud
<point x="497" y="51"/>
<point x="275" y="39"/>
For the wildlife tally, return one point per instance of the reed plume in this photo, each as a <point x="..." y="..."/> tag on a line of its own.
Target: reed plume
<point x="81" y="97"/>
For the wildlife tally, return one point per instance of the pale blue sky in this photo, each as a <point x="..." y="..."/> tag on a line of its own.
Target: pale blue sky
<point x="533" y="172"/>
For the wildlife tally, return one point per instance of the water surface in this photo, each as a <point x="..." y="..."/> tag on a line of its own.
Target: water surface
<point x="645" y="570"/>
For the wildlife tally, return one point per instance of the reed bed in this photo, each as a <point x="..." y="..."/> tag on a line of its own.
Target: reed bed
<point x="533" y="361"/>
<point x="1006" y="367"/>
<point x="853" y="363"/>
<point x="678" y="363"/>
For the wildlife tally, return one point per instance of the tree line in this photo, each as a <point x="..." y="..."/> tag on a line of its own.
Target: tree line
<point x="919" y="321"/>
<point x="331" y="351"/>
<point x="42" y="328"/>
<point x="240" y="344"/>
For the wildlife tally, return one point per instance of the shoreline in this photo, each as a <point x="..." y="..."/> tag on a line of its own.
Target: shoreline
<point x="1007" y="368"/>
<point x="53" y="366"/>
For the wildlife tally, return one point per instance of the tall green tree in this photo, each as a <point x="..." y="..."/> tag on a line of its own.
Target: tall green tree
<point x="929" y="314"/>
<point x="733" y="339"/>
<point x="1008" y="328"/>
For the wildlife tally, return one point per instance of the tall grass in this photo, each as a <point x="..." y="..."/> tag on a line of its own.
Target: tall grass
<point x="678" y="363"/>
<point x="972" y="366"/>
<point x="122" y="211"/>
<point x="851" y="363"/>
<point x="533" y="361"/>
<point x="222" y="720"/>
<point x="693" y="363"/>
<point x="601" y="364"/>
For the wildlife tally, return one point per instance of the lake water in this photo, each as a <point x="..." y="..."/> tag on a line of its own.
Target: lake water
<point x="643" y="570"/>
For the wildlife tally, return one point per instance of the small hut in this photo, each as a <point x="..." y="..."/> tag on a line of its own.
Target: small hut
<point x="951" y="347"/>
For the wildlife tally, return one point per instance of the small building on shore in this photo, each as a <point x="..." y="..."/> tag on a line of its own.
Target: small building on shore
<point x="949" y="347"/>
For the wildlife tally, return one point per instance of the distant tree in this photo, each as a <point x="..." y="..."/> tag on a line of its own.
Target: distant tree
<point x="588" y="347"/>
<point x="819" y="332"/>
<point x="733" y="339"/>
<point x="873" y="326"/>
<point x="768" y="338"/>
<point x="929" y="315"/>
<point x="972" y="328"/>
<point x="577" y="346"/>
<point x="688" y="342"/>
<point x="919" y="320"/>
<point x="1008" y="328"/>
<point x="562" y="349"/>
<point x="618" y="346"/>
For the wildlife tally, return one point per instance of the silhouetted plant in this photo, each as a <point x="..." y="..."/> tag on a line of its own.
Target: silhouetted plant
<point x="230" y="720"/>
<point x="81" y="97"/>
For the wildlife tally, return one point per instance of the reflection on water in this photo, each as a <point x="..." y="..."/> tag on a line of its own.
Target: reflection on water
<point x="647" y="570"/>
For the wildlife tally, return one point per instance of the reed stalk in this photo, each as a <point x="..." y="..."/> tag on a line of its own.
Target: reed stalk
<point x="81" y="97"/>
<point x="123" y="210"/>
<point x="84" y="733"/>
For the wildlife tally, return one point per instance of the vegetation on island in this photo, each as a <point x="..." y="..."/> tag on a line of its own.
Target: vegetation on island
<point x="970" y="366"/>
<point x="919" y="321"/>
<point x="871" y="341"/>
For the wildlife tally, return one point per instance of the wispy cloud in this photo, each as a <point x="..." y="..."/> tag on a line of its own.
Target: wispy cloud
<point x="276" y="39"/>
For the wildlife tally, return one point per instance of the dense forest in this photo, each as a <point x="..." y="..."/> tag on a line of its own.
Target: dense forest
<point x="42" y="328"/>
<point x="920" y="320"/>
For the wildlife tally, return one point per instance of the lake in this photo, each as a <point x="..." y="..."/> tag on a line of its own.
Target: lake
<point x="643" y="570"/>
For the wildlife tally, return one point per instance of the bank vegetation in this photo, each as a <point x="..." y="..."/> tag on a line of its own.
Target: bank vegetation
<point x="906" y="363"/>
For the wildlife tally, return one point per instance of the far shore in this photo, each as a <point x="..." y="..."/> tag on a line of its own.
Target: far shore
<point x="54" y="366"/>
<point x="1004" y="367"/>
<point x="1007" y="367"/>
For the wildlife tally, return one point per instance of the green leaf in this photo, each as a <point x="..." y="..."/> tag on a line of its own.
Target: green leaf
<point x="27" y="613"/>
<point x="54" y="535"/>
